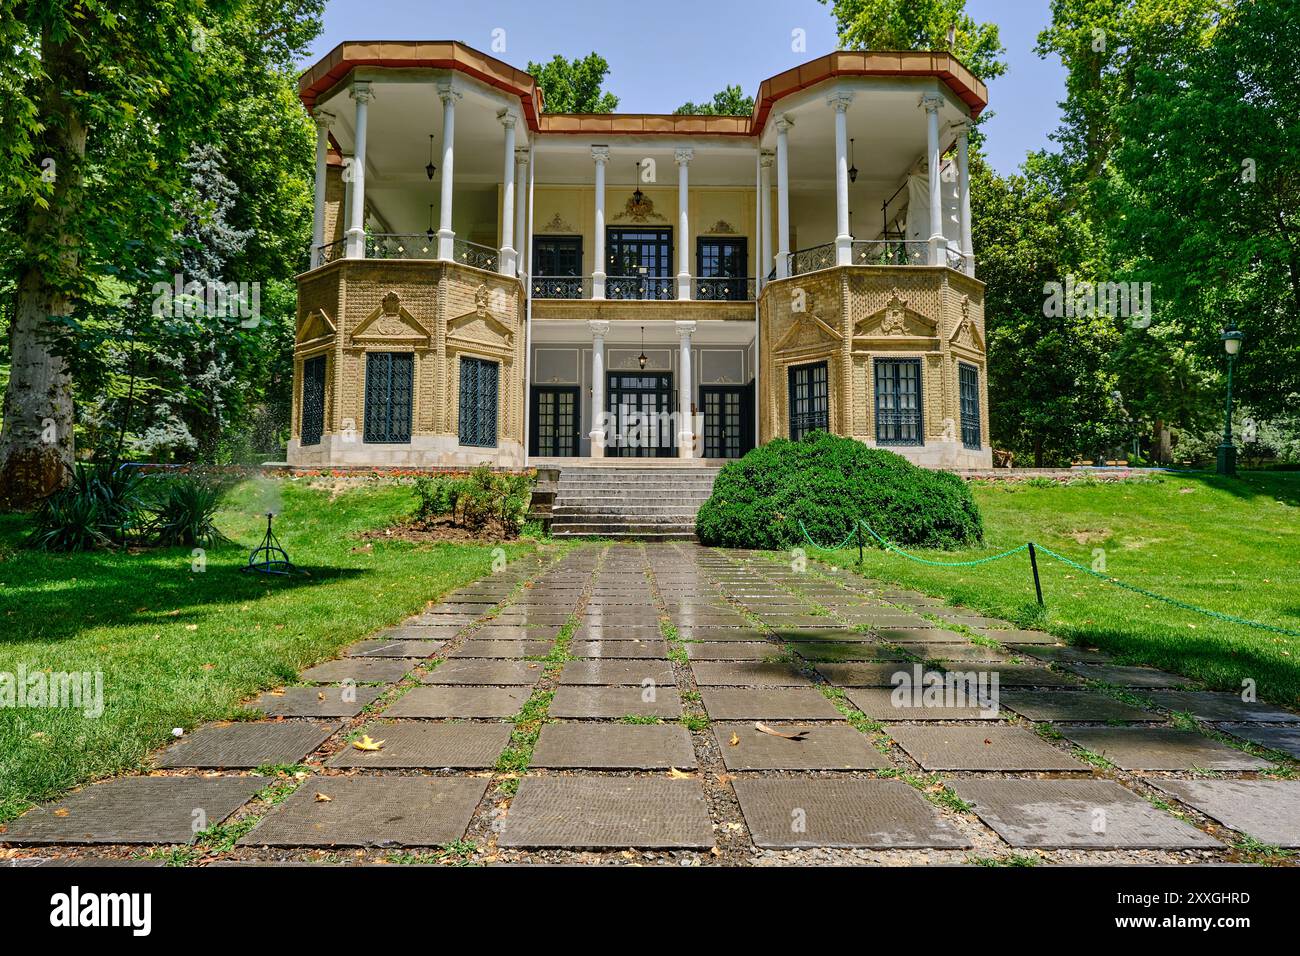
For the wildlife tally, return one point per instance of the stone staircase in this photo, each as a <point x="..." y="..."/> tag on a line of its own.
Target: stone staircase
<point x="651" y="502"/>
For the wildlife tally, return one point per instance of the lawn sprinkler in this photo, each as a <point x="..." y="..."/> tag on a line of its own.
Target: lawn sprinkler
<point x="269" y="557"/>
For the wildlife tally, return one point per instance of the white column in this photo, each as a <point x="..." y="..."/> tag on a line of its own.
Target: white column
<point x="362" y="93"/>
<point x="932" y="102"/>
<point x="446" y="236"/>
<point x="843" y="239"/>
<point x="783" y="197"/>
<point x="506" y="262"/>
<point x="684" y="157"/>
<point x="323" y="120"/>
<point x="348" y="192"/>
<point x="963" y="172"/>
<point x="599" y="328"/>
<point x="521" y="239"/>
<point x="685" y="427"/>
<point x="765" y="215"/>
<point x="600" y="154"/>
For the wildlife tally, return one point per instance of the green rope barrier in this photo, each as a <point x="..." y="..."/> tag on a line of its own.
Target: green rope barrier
<point x="1229" y="618"/>
<point x="942" y="564"/>
<point x="838" y="547"/>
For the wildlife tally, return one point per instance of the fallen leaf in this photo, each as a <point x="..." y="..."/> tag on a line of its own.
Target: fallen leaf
<point x="763" y="728"/>
<point x="320" y="695"/>
<point x="678" y="774"/>
<point x="735" y="739"/>
<point x="322" y="798"/>
<point x="365" y="743"/>
<point x="61" y="812"/>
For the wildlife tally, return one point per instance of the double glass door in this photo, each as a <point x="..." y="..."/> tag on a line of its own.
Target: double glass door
<point x="640" y="264"/>
<point x="556" y="422"/>
<point x="641" y="421"/>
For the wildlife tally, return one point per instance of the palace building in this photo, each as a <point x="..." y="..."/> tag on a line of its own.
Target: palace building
<point x="493" y="283"/>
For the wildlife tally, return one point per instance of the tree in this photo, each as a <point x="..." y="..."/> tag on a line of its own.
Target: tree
<point x="920" y="25"/>
<point x="574" y="86"/>
<point x="729" y="102"/>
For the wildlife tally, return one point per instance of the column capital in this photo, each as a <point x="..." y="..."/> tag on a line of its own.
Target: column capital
<point x="322" y="118"/>
<point x="508" y="119"/>
<point x="599" y="327"/>
<point x="683" y="155"/>
<point x="766" y="157"/>
<point x="783" y="123"/>
<point x="521" y="156"/>
<point x="685" y="329"/>
<point x="840" y="100"/>
<point x="600" y="154"/>
<point x="361" y="91"/>
<point x="931" y="102"/>
<point x="961" y="130"/>
<point x="448" y="93"/>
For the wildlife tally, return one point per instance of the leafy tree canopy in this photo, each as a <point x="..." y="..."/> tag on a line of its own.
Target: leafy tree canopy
<point x="574" y="86"/>
<point x="728" y="102"/>
<point x="920" y="25"/>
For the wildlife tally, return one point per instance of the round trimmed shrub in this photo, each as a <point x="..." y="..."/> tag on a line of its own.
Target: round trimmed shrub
<point x="828" y="483"/>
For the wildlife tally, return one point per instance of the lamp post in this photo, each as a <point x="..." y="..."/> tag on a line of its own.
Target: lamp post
<point x="1227" y="458"/>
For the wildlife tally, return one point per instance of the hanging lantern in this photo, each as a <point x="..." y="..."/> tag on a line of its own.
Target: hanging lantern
<point x="853" y="169"/>
<point x="430" y="169"/>
<point x="641" y="359"/>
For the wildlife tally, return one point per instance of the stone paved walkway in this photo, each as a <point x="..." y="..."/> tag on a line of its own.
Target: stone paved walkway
<point x="603" y="707"/>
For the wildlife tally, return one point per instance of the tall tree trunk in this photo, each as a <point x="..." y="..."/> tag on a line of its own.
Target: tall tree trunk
<point x="36" y="445"/>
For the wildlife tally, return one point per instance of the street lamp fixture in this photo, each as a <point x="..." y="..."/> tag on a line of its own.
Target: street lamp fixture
<point x="1227" y="453"/>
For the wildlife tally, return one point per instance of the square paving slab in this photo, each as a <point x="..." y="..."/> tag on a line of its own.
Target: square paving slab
<point x="1078" y="705"/>
<point x="1021" y="675"/>
<point x="459" y="702"/>
<point x="1268" y="810"/>
<point x="980" y="748"/>
<point x="1084" y="814"/>
<point x="598" y="632"/>
<point x="842" y="651"/>
<point x="371" y="811"/>
<point x="316" y="701"/>
<point x="1214" y="706"/>
<point x="135" y="810"/>
<point x="502" y="650"/>
<point x="597" y="812"/>
<point x="1122" y="676"/>
<point x="864" y="674"/>
<point x="421" y="744"/>
<point x="912" y="635"/>
<point x="626" y="650"/>
<point x="881" y="703"/>
<point x="823" y="747"/>
<point x="1285" y="739"/>
<point x="573" y="701"/>
<point x="513" y="632"/>
<point x="413" y="632"/>
<point x="842" y="813"/>
<point x="613" y="747"/>
<point x="747" y="673"/>
<point x="1014" y="635"/>
<point x="408" y="649"/>
<point x="519" y="673"/>
<point x="1161" y="748"/>
<point x="721" y="634"/>
<point x="959" y="653"/>
<point x="642" y="672"/>
<point x="247" y="744"/>
<point x="1060" y="654"/>
<point x="730" y="651"/>
<point x="362" y="670"/>
<point x="775" y="703"/>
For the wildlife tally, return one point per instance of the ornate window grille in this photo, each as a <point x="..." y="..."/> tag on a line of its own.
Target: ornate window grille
<point x="478" y="402"/>
<point x="313" y="401"/>
<point x="968" y="380"/>
<point x="389" y="381"/>
<point x="898" y="402"/>
<point x="809" y="399"/>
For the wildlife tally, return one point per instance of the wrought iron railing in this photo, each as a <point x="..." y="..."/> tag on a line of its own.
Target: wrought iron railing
<point x="333" y="250"/>
<point x="641" y="287"/>
<point x="812" y="259"/>
<point x="719" y="289"/>
<point x="801" y="423"/>
<point x="392" y="245"/>
<point x="890" y="252"/>
<point x="472" y="254"/>
<point x="899" y="427"/>
<point x="561" y="287"/>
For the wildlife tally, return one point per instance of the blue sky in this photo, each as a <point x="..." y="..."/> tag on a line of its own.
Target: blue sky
<point x="666" y="53"/>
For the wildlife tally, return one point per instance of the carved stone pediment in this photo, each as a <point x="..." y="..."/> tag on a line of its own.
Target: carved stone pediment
<point x="808" y="331"/>
<point x="391" y="323"/>
<point x="481" y="327"/>
<point x="316" y="328"/>
<point x="966" y="334"/>
<point x="896" y="320"/>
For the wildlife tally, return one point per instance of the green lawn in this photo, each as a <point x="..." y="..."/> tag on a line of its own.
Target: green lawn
<point x="1230" y="546"/>
<point x="176" y="646"/>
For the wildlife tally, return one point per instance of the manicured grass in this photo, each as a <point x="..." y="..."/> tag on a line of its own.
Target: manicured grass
<point x="1232" y="546"/>
<point x="178" y="646"/>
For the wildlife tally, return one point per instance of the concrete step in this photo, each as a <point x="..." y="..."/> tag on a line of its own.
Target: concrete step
<point x="607" y="529"/>
<point x="619" y="536"/>
<point x="576" y="512"/>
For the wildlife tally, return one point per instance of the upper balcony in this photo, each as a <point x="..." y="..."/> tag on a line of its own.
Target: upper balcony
<point x="436" y="152"/>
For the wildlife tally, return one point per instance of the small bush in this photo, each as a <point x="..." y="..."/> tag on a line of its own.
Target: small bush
<point x="184" y="509"/>
<point x="475" y="500"/>
<point x="827" y="484"/>
<point x="437" y="495"/>
<point x="99" y="507"/>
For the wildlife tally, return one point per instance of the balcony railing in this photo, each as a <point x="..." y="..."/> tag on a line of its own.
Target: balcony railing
<point x="561" y="287"/>
<point x="333" y="250"/>
<point x="875" y="252"/>
<point x="390" y="245"/>
<point x="472" y="254"/>
<point x="657" y="288"/>
<point x="716" y="289"/>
